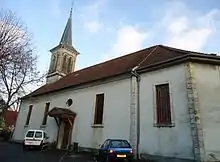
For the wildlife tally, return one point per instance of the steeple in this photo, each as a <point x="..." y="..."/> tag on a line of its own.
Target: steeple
<point x="63" y="56"/>
<point x="66" y="38"/>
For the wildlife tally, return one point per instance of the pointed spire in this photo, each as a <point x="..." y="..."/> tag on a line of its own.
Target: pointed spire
<point x="67" y="34"/>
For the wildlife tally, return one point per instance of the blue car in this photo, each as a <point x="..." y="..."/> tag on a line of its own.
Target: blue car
<point x="116" y="149"/>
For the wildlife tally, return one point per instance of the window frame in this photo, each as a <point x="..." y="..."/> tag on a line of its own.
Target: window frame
<point x="94" y="123"/>
<point x="45" y="117"/>
<point x="155" y="122"/>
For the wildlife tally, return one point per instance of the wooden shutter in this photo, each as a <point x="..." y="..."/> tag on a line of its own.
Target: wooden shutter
<point x="163" y="104"/>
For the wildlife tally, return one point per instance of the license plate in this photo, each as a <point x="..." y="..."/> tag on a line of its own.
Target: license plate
<point x="121" y="156"/>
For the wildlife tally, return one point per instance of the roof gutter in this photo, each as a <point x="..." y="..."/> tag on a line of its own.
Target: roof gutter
<point x="138" y="79"/>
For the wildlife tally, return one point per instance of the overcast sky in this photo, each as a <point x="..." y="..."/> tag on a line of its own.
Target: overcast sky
<point x="104" y="29"/>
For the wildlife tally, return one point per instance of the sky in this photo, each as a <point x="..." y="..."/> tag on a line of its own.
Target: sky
<point x="105" y="29"/>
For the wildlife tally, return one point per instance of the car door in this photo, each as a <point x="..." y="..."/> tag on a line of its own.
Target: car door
<point x="103" y="151"/>
<point x="29" y="137"/>
<point x="46" y="138"/>
<point x="38" y="137"/>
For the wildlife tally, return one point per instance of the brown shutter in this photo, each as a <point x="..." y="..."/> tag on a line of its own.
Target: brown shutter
<point x="163" y="104"/>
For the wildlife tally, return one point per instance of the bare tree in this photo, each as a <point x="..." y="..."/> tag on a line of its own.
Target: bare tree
<point x="18" y="67"/>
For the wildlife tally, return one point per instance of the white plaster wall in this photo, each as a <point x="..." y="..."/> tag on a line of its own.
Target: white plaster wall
<point x="175" y="141"/>
<point x="20" y="130"/>
<point x="208" y="86"/>
<point x="116" y="113"/>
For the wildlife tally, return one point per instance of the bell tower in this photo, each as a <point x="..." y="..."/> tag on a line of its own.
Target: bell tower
<point x="63" y="56"/>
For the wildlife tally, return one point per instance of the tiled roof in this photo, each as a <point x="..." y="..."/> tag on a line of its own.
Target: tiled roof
<point x="144" y="58"/>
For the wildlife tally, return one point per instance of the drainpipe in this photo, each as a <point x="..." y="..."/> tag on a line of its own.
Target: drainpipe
<point x="138" y="79"/>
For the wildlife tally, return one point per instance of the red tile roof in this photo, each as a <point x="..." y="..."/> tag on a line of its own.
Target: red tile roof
<point x="122" y="65"/>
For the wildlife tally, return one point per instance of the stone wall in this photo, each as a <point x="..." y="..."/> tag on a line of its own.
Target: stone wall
<point x="194" y="114"/>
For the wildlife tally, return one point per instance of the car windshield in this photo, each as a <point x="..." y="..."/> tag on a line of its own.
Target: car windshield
<point x="38" y="134"/>
<point x="30" y="134"/>
<point x="119" y="144"/>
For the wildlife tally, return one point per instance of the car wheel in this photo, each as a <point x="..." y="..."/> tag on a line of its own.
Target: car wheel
<point x="41" y="147"/>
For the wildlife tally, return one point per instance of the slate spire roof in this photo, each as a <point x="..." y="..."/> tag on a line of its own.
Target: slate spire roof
<point x="66" y="38"/>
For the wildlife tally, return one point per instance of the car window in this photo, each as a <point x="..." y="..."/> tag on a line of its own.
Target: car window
<point x="30" y="134"/>
<point x="38" y="134"/>
<point x="105" y="145"/>
<point x="119" y="144"/>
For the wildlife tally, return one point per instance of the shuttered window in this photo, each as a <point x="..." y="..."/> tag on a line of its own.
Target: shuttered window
<point x="98" y="119"/>
<point x="29" y="115"/>
<point x="163" y="109"/>
<point x="44" y="122"/>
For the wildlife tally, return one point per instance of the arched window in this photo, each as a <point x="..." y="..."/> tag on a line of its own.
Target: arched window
<point x="70" y="65"/>
<point x="64" y="64"/>
<point x="56" y="62"/>
<point x="52" y="64"/>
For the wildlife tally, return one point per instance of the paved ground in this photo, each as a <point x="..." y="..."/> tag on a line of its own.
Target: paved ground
<point x="10" y="152"/>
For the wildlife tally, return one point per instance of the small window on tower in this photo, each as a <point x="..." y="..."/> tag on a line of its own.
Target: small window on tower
<point x="64" y="64"/>
<point x="69" y="65"/>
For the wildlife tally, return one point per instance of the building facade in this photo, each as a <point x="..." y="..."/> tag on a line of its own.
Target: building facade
<point x="163" y="100"/>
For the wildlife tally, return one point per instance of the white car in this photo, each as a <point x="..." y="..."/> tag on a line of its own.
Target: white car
<point x="35" y="138"/>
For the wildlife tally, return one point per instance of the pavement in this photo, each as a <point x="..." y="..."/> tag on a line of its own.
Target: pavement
<point x="11" y="152"/>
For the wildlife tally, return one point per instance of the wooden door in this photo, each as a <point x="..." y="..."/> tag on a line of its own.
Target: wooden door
<point x="67" y="129"/>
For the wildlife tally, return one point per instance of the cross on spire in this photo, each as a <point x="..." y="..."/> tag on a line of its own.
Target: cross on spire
<point x="71" y="9"/>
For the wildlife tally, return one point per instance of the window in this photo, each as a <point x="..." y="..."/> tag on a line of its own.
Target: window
<point x="30" y="134"/>
<point x="29" y="115"/>
<point x="106" y="143"/>
<point x="64" y="64"/>
<point x="119" y="144"/>
<point x="163" y="106"/>
<point x="38" y="134"/>
<point x="69" y="102"/>
<point x="44" y="122"/>
<point x="69" y="65"/>
<point x="52" y="64"/>
<point x="56" y="62"/>
<point x="99" y="108"/>
<point x="45" y="135"/>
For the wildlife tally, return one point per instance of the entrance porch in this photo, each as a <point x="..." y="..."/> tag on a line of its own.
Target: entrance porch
<point x="65" y="122"/>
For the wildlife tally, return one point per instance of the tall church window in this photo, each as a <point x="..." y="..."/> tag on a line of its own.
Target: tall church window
<point x="163" y="105"/>
<point x="29" y="115"/>
<point x="98" y="119"/>
<point x="44" y="122"/>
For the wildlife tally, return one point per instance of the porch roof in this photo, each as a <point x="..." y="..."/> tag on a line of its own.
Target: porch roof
<point x="61" y="112"/>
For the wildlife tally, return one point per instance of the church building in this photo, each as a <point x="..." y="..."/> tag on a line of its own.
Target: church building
<point x="163" y="100"/>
